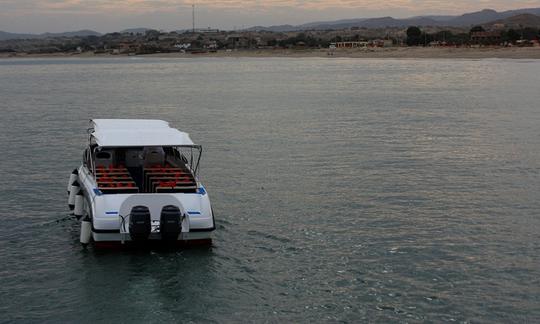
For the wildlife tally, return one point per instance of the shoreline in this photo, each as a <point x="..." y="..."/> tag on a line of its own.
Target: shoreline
<point x="391" y="53"/>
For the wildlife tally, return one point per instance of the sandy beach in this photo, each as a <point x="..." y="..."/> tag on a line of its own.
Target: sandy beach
<point x="392" y="52"/>
<point x="395" y="52"/>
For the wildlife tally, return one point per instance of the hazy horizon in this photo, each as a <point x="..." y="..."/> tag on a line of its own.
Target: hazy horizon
<point x="39" y="16"/>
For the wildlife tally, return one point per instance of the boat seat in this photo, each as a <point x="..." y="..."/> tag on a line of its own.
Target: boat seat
<point x="173" y="185"/>
<point x="115" y="179"/>
<point x="133" y="158"/>
<point x="162" y="171"/>
<point x="153" y="155"/>
<point x="168" y="181"/>
<point x="175" y="173"/>
<point x="104" y="158"/>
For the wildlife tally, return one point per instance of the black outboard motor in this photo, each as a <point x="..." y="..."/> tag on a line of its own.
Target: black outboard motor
<point x="171" y="223"/>
<point x="140" y="223"/>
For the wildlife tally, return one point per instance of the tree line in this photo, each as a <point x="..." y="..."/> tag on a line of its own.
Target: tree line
<point x="417" y="37"/>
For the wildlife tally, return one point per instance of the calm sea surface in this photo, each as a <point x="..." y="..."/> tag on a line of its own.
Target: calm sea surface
<point x="345" y="190"/>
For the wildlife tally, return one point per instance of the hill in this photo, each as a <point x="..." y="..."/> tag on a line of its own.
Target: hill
<point x="79" y="33"/>
<point x="465" y="20"/>
<point x="518" y="21"/>
<point x="474" y="18"/>
<point x="139" y="30"/>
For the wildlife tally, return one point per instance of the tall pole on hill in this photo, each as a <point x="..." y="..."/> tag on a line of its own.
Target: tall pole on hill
<point x="193" y="16"/>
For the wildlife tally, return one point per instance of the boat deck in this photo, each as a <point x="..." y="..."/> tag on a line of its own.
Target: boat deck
<point x="153" y="179"/>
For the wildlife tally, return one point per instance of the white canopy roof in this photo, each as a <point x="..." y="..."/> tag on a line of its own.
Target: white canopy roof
<point x="137" y="132"/>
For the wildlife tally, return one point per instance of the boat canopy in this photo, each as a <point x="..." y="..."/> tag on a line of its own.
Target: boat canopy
<point x="136" y="133"/>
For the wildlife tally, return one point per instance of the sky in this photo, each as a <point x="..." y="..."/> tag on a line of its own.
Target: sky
<point x="38" y="16"/>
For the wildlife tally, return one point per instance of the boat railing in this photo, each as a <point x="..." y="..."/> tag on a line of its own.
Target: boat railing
<point x="190" y="155"/>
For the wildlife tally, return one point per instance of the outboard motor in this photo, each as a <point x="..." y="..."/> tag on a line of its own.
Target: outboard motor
<point x="170" y="223"/>
<point x="140" y="223"/>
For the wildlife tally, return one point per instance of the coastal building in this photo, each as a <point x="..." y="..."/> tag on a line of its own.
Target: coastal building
<point x="237" y="41"/>
<point x="524" y="43"/>
<point x="388" y="43"/>
<point x="207" y="31"/>
<point x="437" y="44"/>
<point x="382" y="43"/>
<point x="351" y="44"/>
<point x="211" y="45"/>
<point x="128" y="47"/>
<point x="182" y="46"/>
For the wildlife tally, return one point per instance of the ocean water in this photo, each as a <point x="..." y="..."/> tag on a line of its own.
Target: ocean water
<point x="345" y="190"/>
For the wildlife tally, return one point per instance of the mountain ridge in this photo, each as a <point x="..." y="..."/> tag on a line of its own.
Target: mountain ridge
<point x="465" y="20"/>
<point x="81" y="33"/>
<point x="482" y="17"/>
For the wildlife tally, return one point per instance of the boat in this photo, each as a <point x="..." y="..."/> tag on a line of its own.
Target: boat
<point x="138" y="183"/>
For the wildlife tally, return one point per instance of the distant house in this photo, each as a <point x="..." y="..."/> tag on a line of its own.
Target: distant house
<point x="382" y="43"/>
<point x="438" y="44"/>
<point x="182" y="46"/>
<point x="388" y="43"/>
<point x="207" y="31"/>
<point x="524" y="43"/>
<point x="211" y="44"/>
<point x="351" y="44"/>
<point x="486" y="37"/>
<point x="127" y="47"/>
<point x="237" y="41"/>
